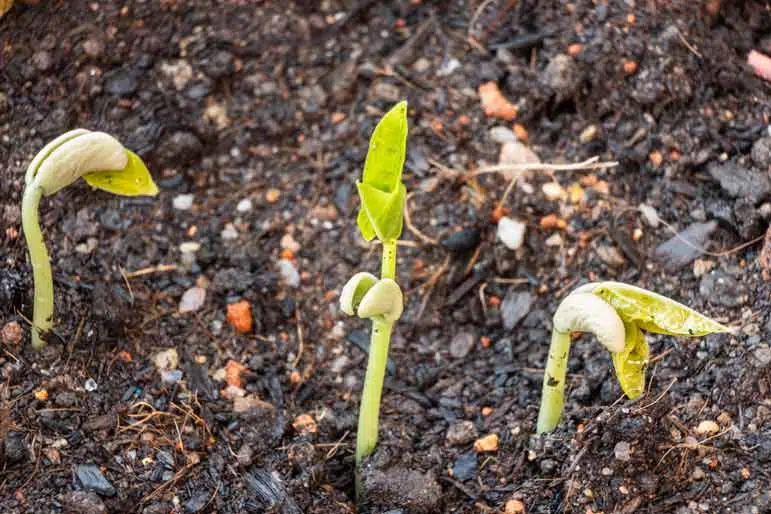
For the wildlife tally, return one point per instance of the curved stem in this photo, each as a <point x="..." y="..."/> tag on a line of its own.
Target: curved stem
<point x="42" y="318"/>
<point x="553" y="392"/>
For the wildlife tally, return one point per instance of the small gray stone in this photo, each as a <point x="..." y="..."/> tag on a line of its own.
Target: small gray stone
<point x="461" y="344"/>
<point x="82" y="502"/>
<point x="610" y="255"/>
<point x="93" y="48"/>
<point x="623" y="451"/>
<point x="386" y="91"/>
<point x="178" y="148"/>
<point x="719" y="288"/>
<point x="197" y="502"/>
<point x="42" y="60"/>
<point x="92" y="479"/>
<point x="763" y="355"/>
<point x="515" y="306"/>
<point x="461" y="433"/>
<point x="562" y="75"/>
<point x="761" y="153"/>
<point x="121" y="82"/>
<point x="676" y="253"/>
<point x="465" y="466"/>
<point x="548" y="465"/>
<point x="312" y="98"/>
<point x="741" y="182"/>
<point x="416" y="492"/>
<point x="220" y="65"/>
<point x="15" y="449"/>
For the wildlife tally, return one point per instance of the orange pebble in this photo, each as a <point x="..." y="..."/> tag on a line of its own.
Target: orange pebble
<point x="233" y="372"/>
<point x="494" y="301"/>
<point x="630" y="66"/>
<point x="520" y="131"/>
<point x="485" y="341"/>
<point x="551" y="221"/>
<point x="575" y="49"/>
<point x="124" y="356"/>
<point x="240" y="316"/>
<point x="494" y="103"/>
<point x="656" y="158"/>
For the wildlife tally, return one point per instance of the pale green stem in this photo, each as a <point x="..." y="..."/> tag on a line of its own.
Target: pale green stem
<point x="43" y="305"/>
<point x="369" y="411"/>
<point x="553" y="392"/>
<point x="388" y="263"/>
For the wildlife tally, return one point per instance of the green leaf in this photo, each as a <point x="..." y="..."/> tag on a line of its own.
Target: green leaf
<point x="381" y="190"/>
<point x="133" y="180"/>
<point x="387" y="150"/>
<point x="655" y="313"/>
<point x="631" y="363"/>
<point x="383" y="211"/>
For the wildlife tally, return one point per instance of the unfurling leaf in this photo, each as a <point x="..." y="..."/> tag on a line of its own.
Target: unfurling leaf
<point x="383" y="212"/>
<point x="630" y="364"/>
<point x="133" y="180"/>
<point x="655" y="313"/>
<point x="381" y="190"/>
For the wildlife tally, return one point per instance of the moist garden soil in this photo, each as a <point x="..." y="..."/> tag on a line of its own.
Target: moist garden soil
<point x="262" y="111"/>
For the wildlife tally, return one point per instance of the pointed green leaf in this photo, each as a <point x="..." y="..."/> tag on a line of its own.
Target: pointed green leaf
<point x="381" y="190"/>
<point x="655" y="313"/>
<point x="133" y="180"/>
<point x="387" y="150"/>
<point x="631" y="363"/>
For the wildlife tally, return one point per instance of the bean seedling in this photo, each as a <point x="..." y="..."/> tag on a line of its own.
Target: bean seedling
<point x="104" y="164"/>
<point x="616" y="314"/>
<point x="380" y="216"/>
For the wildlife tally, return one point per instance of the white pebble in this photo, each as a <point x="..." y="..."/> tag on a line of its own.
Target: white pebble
<point x="189" y="247"/>
<point x="553" y="191"/>
<point x="171" y="376"/>
<point x="192" y="300"/>
<point x="650" y="214"/>
<point x="554" y="240"/>
<point x="514" y="152"/>
<point x="288" y="243"/>
<point x="511" y="232"/>
<point x="229" y="232"/>
<point x="707" y="427"/>
<point x="244" y="205"/>
<point x="183" y="202"/>
<point x="502" y="135"/>
<point x="167" y="359"/>
<point x="289" y="274"/>
<point x="91" y="385"/>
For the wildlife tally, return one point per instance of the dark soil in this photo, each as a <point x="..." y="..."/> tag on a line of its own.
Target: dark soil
<point x="274" y="102"/>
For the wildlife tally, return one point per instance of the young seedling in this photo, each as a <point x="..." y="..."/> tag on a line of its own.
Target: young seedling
<point x="380" y="300"/>
<point x="616" y="314"/>
<point x="104" y="164"/>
